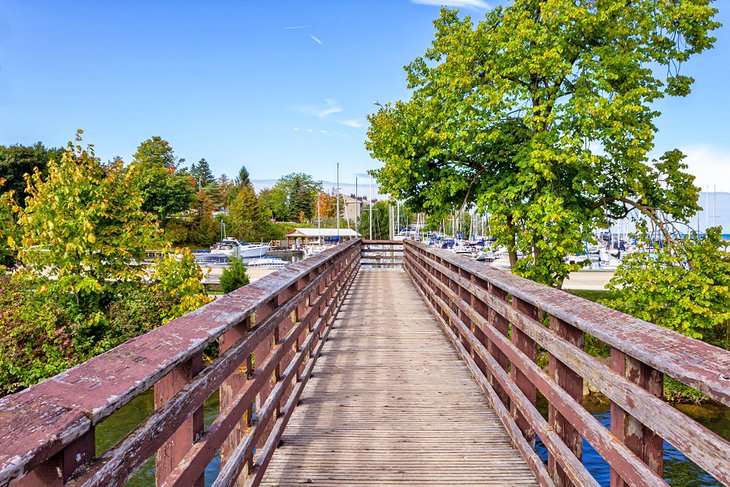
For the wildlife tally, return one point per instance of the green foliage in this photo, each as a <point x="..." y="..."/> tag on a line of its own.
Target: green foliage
<point x="153" y="173"/>
<point x="79" y="290"/>
<point x="248" y="220"/>
<point x="234" y="276"/>
<point x="83" y="224"/>
<point x="8" y="230"/>
<point x="17" y="160"/>
<point x="177" y="281"/>
<point x="293" y="196"/>
<point x="543" y="113"/>
<point x="202" y="230"/>
<point x="202" y="174"/>
<point x="684" y="287"/>
<point x="381" y="221"/>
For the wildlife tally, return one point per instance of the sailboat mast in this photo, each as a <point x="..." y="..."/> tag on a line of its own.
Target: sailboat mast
<point x="338" y="202"/>
<point x="371" y="209"/>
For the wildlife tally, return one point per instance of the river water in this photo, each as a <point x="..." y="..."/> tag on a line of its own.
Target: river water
<point x="678" y="470"/>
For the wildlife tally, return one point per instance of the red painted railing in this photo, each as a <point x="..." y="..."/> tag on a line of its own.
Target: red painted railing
<point x="500" y="323"/>
<point x="268" y="335"/>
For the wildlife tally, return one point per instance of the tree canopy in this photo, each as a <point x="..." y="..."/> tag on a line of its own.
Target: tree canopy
<point x="293" y="197"/>
<point x="80" y="289"/>
<point x="17" y="160"/>
<point x="543" y="113"/>
<point x="155" y="175"/>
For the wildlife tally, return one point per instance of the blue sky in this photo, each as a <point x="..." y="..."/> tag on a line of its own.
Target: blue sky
<point x="278" y="86"/>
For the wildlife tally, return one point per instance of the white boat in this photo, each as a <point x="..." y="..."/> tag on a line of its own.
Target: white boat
<point x="268" y="263"/>
<point x="231" y="247"/>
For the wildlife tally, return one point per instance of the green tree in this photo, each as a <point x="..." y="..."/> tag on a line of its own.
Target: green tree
<point x="202" y="229"/>
<point x="684" y="287"/>
<point x="292" y="196"/>
<point x="248" y="220"/>
<point x="234" y="276"/>
<point x="80" y="289"/>
<point x="381" y="221"/>
<point x="242" y="180"/>
<point x="83" y="223"/>
<point x="201" y="173"/>
<point x="544" y="114"/>
<point x="17" y="160"/>
<point x="8" y="229"/>
<point x="154" y="173"/>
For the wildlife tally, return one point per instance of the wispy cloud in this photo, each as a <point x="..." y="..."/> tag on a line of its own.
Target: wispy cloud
<point x="315" y="39"/>
<point x="294" y="27"/>
<point x="454" y="3"/>
<point x="708" y="164"/>
<point x="352" y="123"/>
<point x="323" y="111"/>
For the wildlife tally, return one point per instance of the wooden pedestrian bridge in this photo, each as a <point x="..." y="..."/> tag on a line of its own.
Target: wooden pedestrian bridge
<point x="375" y="363"/>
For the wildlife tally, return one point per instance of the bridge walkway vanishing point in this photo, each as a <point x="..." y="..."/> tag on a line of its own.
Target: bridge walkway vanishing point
<point x="376" y="362"/>
<point x="391" y="402"/>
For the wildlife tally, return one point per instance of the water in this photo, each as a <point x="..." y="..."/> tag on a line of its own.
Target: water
<point x="127" y="418"/>
<point x="678" y="469"/>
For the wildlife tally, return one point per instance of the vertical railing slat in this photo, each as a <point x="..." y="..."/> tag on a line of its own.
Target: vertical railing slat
<point x="572" y="383"/>
<point x="175" y="449"/>
<point x="645" y="443"/>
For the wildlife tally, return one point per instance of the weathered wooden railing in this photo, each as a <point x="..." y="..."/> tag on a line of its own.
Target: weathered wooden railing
<point x="500" y="323"/>
<point x="382" y="254"/>
<point x="268" y="335"/>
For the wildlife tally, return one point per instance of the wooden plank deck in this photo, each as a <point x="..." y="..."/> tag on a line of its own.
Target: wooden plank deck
<point x="390" y="402"/>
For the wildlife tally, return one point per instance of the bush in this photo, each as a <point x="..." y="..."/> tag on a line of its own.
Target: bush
<point x="235" y="276"/>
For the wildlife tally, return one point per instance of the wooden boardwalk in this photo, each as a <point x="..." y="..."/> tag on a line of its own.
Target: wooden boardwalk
<point x="390" y="402"/>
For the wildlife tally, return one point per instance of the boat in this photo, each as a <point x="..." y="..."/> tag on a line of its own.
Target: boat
<point x="230" y="247"/>
<point x="267" y="263"/>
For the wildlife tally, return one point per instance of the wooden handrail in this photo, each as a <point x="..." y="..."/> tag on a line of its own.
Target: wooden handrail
<point x="496" y="320"/>
<point x="282" y="318"/>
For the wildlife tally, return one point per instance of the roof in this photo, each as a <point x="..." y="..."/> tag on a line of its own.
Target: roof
<point x="323" y="232"/>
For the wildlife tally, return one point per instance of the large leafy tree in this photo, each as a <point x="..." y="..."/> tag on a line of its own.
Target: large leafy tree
<point x="83" y="223"/>
<point x="154" y="173"/>
<point x="293" y="197"/>
<point x="543" y="113"/>
<point x="80" y="289"/>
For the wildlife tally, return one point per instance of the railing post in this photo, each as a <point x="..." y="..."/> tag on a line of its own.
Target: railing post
<point x="175" y="449"/>
<point x="645" y="443"/>
<point x="230" y="388"/>
<point x="572" y="383"/>
<point x="60" y="467"/>
<point x="501" y="324"/>
<point x="528" y="347"/>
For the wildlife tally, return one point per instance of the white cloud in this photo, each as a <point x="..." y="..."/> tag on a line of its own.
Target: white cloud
<point x="315" y="39"/>
<point x="321" y="112"/>
<point x="710" y="165"/>
<point x="352" y="123"/>
<point x="454" y="3"/>
<point x="296" y="27"/>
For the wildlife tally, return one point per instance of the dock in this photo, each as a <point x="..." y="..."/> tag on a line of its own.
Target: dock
<point x="391" y="404"/>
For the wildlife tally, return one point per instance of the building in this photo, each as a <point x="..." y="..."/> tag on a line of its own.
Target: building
<point x="300" y="237"/>
<point x="353" y="207"/>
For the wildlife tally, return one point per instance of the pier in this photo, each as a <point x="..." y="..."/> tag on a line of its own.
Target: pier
<point x="375" y="363"/>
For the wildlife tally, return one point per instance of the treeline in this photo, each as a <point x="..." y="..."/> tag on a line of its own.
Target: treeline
<point x="74" y="231"/>
<point x="190" y="204"/>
